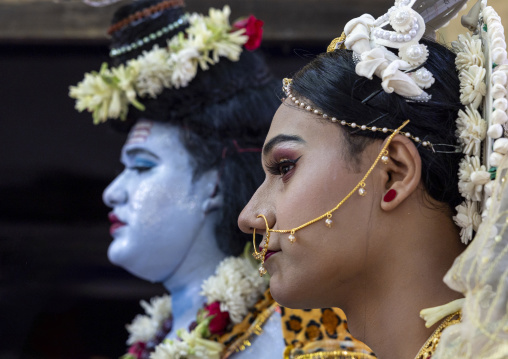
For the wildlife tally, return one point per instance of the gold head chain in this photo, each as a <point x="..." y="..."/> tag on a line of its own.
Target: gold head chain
<point x="382" y="156"/>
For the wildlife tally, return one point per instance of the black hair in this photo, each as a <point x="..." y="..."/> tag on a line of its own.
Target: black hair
<point x="223" y="114"/>
<point x="331" y="84"/>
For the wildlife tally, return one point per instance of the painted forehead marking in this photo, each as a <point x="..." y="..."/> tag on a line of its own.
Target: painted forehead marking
<point x="140" y="132"/>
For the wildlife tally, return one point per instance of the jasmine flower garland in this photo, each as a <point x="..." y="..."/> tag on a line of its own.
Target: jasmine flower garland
<point x="109" y="92"/>
<point x="230" y="293"/>
<point x="475" y="179"/>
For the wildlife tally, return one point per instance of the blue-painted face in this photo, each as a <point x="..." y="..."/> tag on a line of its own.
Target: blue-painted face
<point x="159" y="208"/>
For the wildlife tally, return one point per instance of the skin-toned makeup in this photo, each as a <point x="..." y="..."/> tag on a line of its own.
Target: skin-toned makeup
<point x="354" y="263"/>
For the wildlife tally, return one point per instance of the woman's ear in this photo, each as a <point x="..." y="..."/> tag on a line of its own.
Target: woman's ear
<point x="402" y="172"/>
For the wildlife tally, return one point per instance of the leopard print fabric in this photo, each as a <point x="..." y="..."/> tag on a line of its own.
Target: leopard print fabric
<point x="304" y="331"/>
<point x="318" y="331"/>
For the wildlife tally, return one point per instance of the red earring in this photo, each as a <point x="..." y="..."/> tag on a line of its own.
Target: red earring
<point x="390" y="195"/>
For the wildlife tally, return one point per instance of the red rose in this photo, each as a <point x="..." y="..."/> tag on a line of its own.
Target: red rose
<point x="253" y="29"/>
<point x="220" y="321"/>
<point x="136" y="349"/>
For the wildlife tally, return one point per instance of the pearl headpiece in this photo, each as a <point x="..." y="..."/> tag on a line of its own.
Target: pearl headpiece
<point x="300" y="103"/>
<point x="370" y="39"/>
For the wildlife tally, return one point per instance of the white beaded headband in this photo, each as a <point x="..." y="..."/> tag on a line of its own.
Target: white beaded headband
<point x="300" y="103"/>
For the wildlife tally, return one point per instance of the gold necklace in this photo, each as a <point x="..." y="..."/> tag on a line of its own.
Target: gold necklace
<point x="431" y="344"/>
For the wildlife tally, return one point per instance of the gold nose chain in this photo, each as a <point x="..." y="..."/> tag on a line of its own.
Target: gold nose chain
<point x="360" y="187"/>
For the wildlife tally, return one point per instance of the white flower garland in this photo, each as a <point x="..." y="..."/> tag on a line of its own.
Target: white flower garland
<point x="144" y="327"/>
<point x="474" y="178"/>
<point x="109" y="92"/>
<point x="236" y="284"/>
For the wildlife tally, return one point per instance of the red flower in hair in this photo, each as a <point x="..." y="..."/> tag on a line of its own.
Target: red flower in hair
<point x="253" y="29"/>
<point x="136" y="349"/>
<point x="220" y="321"/>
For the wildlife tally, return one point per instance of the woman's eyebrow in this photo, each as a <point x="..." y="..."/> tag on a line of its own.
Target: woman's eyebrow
<point x="278" y="139"/>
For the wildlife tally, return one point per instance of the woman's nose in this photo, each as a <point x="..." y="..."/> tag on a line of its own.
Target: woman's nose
<point x="115" y="194"/>
<point x="250" y="218"/>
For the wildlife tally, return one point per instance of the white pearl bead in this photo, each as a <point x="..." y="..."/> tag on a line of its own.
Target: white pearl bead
<point x="363" y="127"/>
<point x="417" y="139"/>
<point x="374" y="128"/>
<point x="297" y="102"/>
<point x="400" y="38"/>
<point x="393" y="38"/>
<point x="407" y="38"/>
<point x="412" y="33"/>
<point x="416" y="27"/>
<point x="401" y="16"/>
<point x="353" y="125"/>
<point x="316" y="112"/>
<point x="334" y="119"/>
<point x="329" y="222"/>
<point x="386" y="35"/>
<point x="385" y="130"/>
<point x="292" y="238"/>
<point x="325" y="115"/>
<point x="308" y="108"/>
<point x="262" y="271"/>
<point x="343" y="123"/>
<point x="408" y="134"/>
<point x="414" y="51"/>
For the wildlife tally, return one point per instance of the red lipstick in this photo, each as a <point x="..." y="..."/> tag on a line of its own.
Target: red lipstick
<point x="115" y="223"/>
<point x="269" y="254"/>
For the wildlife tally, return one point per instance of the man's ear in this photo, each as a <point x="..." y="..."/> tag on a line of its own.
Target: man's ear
<point x="213" y="196"/>
<point x="402" y="172"/>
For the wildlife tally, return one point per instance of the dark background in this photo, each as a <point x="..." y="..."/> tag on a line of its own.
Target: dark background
<point x="59" y="295"/>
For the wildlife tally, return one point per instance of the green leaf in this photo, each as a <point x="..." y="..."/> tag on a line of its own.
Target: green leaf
<point x="493" y="172"/>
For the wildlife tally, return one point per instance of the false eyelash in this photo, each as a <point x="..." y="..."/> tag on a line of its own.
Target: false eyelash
<point x="274" y="167"/>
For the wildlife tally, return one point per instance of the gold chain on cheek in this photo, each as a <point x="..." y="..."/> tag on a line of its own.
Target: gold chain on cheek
<point x="360" y="187"/>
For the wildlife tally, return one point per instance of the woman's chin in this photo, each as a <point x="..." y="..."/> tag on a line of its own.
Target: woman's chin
<point x="283" y="293"/>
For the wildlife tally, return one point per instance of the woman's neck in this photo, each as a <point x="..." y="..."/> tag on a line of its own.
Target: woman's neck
<point x="185" y="283"/>
<point x="402" y="279"/>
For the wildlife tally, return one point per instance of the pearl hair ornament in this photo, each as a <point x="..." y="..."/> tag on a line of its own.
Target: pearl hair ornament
<point x="287" y="90"/>
<point x="149" y="38"/>
<point x="383" y="156"/>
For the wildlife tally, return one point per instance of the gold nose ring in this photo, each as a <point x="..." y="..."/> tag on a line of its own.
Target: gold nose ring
<point x="261" y="255"/>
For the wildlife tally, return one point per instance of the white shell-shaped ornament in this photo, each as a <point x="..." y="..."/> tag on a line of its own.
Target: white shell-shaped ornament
<point x="499" y="117"/>
<point x="498" y="91"/>
<point x="500" y="104"/>
<point x="499" y="77"/>
<point x="501" y="146"/>
<point x="488" y="188"/>
<point x="414" y="54"/>
<point x="480" y="177"/>
<point x="495" y="159"/>
<point x="499" y="55"/>
<point x="401" y="19"/>
<point x="417" y="28"/>
<point x="495" y="131"/>
<point x="423" y="78"/>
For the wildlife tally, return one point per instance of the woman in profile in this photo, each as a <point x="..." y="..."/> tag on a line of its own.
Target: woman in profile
<point x="375" y="183"/>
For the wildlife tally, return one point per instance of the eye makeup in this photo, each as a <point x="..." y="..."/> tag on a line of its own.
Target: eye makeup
<point x="283" y="167"/>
